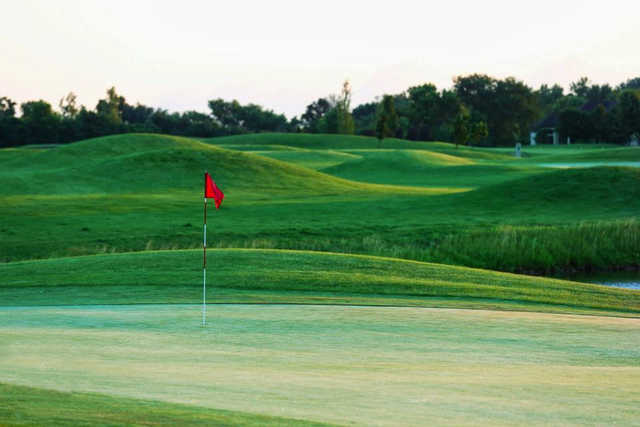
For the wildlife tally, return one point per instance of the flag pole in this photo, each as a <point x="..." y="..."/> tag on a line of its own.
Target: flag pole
<point x="204" y="258"/>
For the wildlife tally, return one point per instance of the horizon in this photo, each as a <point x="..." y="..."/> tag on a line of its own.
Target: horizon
<point x="173" y="58"/>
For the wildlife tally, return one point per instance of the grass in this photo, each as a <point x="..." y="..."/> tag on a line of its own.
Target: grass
<point x="22" y="405"/>
<point x="583" y="246"/>
<point x="343" y="365"/>
<point x="297" y="277"/>
<point x="138" y="192"/>
<point x="115" y="337"/>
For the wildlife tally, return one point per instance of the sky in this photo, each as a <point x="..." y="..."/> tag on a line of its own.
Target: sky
<point x="283" y="55"/>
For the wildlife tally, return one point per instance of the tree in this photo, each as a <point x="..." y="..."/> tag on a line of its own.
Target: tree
<point x="109" y="112"/>
<point x="548" y="96"/>
<point x="423" y="104"/>
<point x="68" y="106"/>
<point x="600" y="123"/>
<point x="461" y="127"/>
<point x="40" y="122"/>
<point x="387" y="123"/>
<point x="9" y="124"/>
<point x="581" y="87"/>
<point x="629" y="84"/>
<point x="575" y="124"/>
<point x="599" y="94"/>
<point x="629" y="114"/>
<point x="479" y="132"/>
<point x="226" y="113"/>
<point x="514" y="106"/>
<point x="568" y="102"/>
<point x="343" y="110"/>
<point x="365" y="118"/>
<point x="503" y="104"/>
<point x="314" y="113"/>
<point x="476" y="91"/>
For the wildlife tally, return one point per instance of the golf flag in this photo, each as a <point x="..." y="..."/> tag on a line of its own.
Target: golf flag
<point x="211" y="190"/>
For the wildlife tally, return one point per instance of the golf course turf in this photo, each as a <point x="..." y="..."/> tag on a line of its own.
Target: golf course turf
<point x="349" y="281"/>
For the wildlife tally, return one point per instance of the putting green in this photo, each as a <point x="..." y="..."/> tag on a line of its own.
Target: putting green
<point x="363" y="365"/>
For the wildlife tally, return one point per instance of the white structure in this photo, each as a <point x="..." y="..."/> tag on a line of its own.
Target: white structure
<point x="532" y="138"/>
<point x="556" y="137"/>
<point x="634" y="140"/>
<point x="518" y="149"/>
<point x="568" y="140"/>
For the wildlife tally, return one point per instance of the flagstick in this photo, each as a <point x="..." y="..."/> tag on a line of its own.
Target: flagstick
<point x="204" y="266"/>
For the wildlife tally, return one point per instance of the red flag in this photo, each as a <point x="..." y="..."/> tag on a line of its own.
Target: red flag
<point x="211" y="190"/>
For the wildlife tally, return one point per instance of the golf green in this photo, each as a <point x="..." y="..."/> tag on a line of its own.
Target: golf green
<point x="362" y="365"/>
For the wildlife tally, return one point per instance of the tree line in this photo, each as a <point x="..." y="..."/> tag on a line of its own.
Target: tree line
<point x="478" y="109"/>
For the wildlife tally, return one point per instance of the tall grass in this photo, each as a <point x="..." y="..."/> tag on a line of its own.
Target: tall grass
<point x="582" y="247"/>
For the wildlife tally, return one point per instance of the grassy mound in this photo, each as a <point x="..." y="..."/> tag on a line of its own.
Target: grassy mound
<point x="342" y="142"/>
<point x="294" y="276"/>
<point x="598" y="186"/>
<point x="139" y="163"/>
<point x="152" y="163"/>
<point x="423" y="168"/>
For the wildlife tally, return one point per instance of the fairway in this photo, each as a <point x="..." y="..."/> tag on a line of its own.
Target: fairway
<point x="363" y="365"/>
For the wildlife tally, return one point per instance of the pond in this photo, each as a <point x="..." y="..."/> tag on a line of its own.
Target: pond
<point x="618" y="280"/>
<point x="588" y="164"/>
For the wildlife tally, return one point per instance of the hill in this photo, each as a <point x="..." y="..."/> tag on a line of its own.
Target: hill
<point x="342" y="142"/>
<point x="141" y="163"/>
<point x="575" y="187"/>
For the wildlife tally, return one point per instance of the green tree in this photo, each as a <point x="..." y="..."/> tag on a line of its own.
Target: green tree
<point x="40" y="122"/>
<point x="599" y="119"/>
<point x="575" y="124"/>
<point x="314" y="113"/>
<point x="479" y="132"/>
<point x="548" y="96"/>
<point x="476" y="91"/>
<point x="504" y="104"/>
<point x="461" y="127"/>
<point x="68" y="106"/>
<point x="633" y="83"/>
<point x="343" y="110"/>
<point x="365" y="118"/>
<point x="387" y="123"/>
<point x="629" y="114"/>
<point x="9" y="123"/>
<point x="567" y="103"/>
<point x="423" y="107"/>
<point x="109" y="112"/>
<point x="581" y="87"/>
<point x="515" y="107"/>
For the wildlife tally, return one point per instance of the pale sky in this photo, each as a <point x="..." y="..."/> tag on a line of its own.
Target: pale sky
<point x="285" y="54"/>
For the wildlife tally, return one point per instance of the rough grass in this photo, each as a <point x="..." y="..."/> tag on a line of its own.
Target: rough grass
<point x="549" y="249"/>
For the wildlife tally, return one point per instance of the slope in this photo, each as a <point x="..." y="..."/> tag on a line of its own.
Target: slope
<point x="293" y="276"/>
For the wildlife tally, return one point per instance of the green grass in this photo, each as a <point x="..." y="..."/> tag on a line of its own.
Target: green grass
<point x="343" y="365"/>
<point x="341" y="142"/>
<point x="22" y="405"/>
<point x="424" y="168"/>
<point x="316" y="357"/>
<point x="138" y="192"/>
<point x="294" y="276"/>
